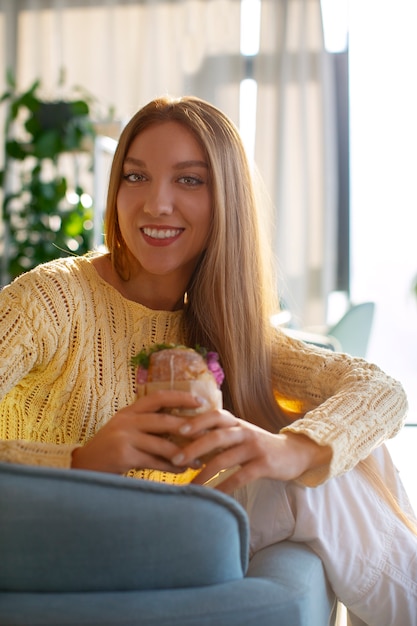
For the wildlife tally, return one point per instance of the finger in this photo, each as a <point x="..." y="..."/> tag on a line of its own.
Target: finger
<point x="148" y="461"/>
<point x="162" y="447"/>
<point x="209" y="420"/>
<point x="212" y="440"/>
<point x="171" y="398"/>
<point x="159" y="424"/>
<point x="155" y="445"/>
<point x="154" y="452"/>
<point x="132" y="420"/>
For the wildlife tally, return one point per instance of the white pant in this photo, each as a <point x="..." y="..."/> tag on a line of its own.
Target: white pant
<point x="370" y="557"/>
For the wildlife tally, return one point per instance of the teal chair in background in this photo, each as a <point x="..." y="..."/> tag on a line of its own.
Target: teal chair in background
<point x="353" y="330"/>
<point x="350" y="334"/>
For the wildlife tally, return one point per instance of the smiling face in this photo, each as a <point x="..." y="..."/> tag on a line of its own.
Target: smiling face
<point x="164" y="202"/>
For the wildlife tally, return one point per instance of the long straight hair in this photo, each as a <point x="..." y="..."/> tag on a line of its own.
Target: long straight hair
<point x="232" y="293"/>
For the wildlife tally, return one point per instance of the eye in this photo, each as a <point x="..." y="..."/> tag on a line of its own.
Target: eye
<point x="191" y="181"/>
<point x="134" y="177"/>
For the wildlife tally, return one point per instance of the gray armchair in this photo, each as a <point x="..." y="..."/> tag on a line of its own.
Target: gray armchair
<point x="80" y="548"/>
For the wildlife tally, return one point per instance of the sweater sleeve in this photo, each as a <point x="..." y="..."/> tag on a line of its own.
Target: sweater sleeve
<point x="33" y="319"/>
<point x="18" y="351"/>
<point x="27" y="335"/>
<point x="345" y="403"/>
<point x="36" y="453"/>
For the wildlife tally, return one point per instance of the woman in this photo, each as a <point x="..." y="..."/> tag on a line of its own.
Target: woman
<point x="187" y="264"/>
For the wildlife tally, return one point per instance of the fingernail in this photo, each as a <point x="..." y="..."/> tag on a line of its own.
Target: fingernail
<point x="196" y="464"/>
<point x="178" y="459"/>
<point x="184" y="429"/>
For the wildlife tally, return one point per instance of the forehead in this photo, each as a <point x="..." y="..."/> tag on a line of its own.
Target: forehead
<point x="167" y="140"/>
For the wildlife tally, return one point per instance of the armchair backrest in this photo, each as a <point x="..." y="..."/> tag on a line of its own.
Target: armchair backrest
<point x="71" y="530"/>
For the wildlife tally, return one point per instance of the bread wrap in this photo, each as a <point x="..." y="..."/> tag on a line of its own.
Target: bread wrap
<point x="183" y="369"/>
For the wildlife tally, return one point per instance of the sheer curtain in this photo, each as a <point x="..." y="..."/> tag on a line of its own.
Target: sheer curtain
<point x="296" y="152"/>
<point x="126" y="52"/>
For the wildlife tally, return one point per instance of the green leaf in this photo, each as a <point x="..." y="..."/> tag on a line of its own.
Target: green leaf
<point x="14" y="110"/>
<point x="73" y="224"/>
<point x="15" y="150"/>
<point x="31" y="102"/>
<point x="79" y="108"/>
<point x="47" y="145"/>
<point x="6" y="96"/>
<point x="32" y="89"/>
<point x="32" y="126"/>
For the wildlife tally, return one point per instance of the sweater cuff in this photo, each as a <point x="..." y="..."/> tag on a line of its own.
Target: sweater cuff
<point x="35" y="453"/>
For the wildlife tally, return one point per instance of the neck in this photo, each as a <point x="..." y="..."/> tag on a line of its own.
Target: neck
<point x="155" y="295"/>
<point x="160" y="293"/>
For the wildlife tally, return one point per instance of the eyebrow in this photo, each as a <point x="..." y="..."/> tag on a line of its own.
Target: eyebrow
<point x="178" y="166"/>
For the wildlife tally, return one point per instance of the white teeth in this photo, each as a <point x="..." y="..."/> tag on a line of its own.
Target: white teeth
<point x="157" y="233"/>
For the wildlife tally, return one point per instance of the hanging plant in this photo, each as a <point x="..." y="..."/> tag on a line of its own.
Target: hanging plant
<point x="46" y="211"/>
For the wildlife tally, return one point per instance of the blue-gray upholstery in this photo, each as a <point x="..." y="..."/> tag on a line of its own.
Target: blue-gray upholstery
<point x="84" y="548"/>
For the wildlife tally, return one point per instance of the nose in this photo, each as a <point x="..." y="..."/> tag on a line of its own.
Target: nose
<point x="160" y="200"/>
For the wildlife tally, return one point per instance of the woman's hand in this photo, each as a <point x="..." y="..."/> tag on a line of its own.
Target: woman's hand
<point x="255" y="452"/>
<point x="133" y="437"/>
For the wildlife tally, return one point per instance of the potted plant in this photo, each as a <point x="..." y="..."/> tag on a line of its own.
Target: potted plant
<point x="46" y="212"/>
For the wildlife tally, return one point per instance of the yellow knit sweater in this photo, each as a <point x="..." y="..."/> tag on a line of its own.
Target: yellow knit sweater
<point x="66" y="339"/>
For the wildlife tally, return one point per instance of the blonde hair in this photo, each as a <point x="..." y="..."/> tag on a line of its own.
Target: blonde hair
<point x="232" y="293"/>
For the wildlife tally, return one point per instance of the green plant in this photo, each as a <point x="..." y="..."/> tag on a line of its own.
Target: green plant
<point x="46" y="212"/>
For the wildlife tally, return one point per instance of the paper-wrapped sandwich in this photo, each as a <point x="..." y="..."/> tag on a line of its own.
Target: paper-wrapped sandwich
<point x="169" y="366"/>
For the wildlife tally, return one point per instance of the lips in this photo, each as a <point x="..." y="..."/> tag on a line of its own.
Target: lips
<point x="162" y="233"/>
<point x="161" y="236"/>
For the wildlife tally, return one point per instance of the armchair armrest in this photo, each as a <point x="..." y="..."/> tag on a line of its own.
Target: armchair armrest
<point x="72" y="530"/>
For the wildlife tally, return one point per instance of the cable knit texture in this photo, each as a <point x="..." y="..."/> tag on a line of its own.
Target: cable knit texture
<point x="66" y="340"/>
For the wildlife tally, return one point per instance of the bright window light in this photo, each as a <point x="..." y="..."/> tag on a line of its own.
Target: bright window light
<point x="250" y="23"/>
<point x="72" y="197"/>
<point x="86" y="200"/>
<point x="335" y="24"/>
